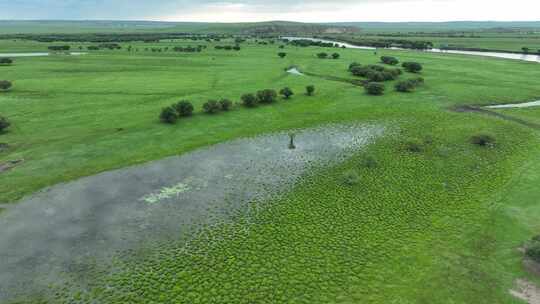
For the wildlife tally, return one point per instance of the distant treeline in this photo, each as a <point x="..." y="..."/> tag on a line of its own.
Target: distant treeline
<point x="386" y="43"/>
<point x="307" y="42"/>
<point x="114" y="37"/>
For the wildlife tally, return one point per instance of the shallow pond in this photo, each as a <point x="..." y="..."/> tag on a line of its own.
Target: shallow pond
<point x="56" y="234"/>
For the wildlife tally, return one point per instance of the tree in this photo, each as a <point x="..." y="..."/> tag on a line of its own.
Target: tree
<point x="322" y="55"/>
<point x="525" y="50"/>
<point x="286" y="92"/>
<point x="4" y="124"/>
<point x="412" y="67"/>
<point x="211" y="107"/>
<point x="249" y="100"/>
<point x="310" y="90"/>
<point x="266" y="96"/>
<point x="225" y="104"/>
<point x="335" y="56"/>
<point x="282" y="54"/>
<point x="6" y="61"/>
<point x="5" y="85"/>
<point x="168" y="115"/>
<point x="374" y="88"/>
<point x="184" y="108"/>
<point x="389" y="60"/>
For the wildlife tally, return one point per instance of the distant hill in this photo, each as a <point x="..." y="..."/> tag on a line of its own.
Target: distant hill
<point x="64" y="27"/>
<point x="438" y="26"/>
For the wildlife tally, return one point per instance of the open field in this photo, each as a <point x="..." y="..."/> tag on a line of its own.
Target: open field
<point x="439" y="225"/>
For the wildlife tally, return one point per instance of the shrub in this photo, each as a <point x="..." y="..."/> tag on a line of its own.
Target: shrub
<point x="4" y="124"/>
<point x="168" y="115"/>
<point x="266" y="96"/>
<point x="6" y="61"/>
<point x="249" y="100"/>
<point x="310" y="90"/>
<point x="286" y="92"/>
<point x="483" y="140"/>
<point x="532" y="250"/>
<point x="184" y="108"/>
<point x="354" y="65"/>
<point x="5" y="85"/>
<point x="335" y="56"/>
<point x="351" y="178"/>
<point x="368" y="162"/>
<point x="414" y="145"/>
<point x="412" y="67"/>
<point x="322" y="55"/>
<point x="225" y="104"/>
<point x="374" y="88"/>
<point x="389" y="60"/>
<point x="282" y="54"/>
<point x="211" y="107"/>
<point x="405" y="86"/>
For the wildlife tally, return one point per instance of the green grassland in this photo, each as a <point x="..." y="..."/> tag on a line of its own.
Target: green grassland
<point x="437" y="226"/>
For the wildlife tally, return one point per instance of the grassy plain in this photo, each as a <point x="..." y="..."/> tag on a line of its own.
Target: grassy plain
<point x="439" y="226"/>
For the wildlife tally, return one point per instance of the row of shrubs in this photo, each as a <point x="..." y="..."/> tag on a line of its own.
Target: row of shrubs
<point x="6" y="61"/>
<point x="376" y="88"/>
<point x="184" y="108"/>
<point x="228" y="47"/>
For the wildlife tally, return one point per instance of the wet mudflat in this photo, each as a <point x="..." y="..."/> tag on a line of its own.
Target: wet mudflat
<point x="57" y="234"/>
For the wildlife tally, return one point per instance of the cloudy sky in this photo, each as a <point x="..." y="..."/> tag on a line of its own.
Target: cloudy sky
<point x="260" y="10"/>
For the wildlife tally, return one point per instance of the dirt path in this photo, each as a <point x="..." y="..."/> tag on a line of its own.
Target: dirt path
<point x="526" y="291"/>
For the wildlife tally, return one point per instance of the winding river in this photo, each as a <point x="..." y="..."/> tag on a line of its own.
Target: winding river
<point x="524" y="57"/>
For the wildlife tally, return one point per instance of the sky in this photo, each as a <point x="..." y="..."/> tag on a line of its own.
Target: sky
<point x="265" y="10"/>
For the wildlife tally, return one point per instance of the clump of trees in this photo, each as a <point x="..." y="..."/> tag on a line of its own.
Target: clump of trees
<point x="6" y="61"/>
<point x="389" y="60"/>
<point x="188" y="49"/>
<point x="178" y="110"/>
<point x="4" y="124"/>
<point x="286" y="93"/>
<point x="59" y="48"/>
<point x="412" y="67"/>
<point x="5" y="85"/>
<point x="225" y="104"/>
<point x="168" y="115"/>
<point x="409" y="85"/>
<point x="374" y="73"/>
<point x="227" y="47"/>
<point x="310" y="90"/>
<point x="374" y="88"/>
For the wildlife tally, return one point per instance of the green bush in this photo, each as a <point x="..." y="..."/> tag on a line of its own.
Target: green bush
<point x="286" y="92"/>
<point x="354" y="65"/>
<point x="374" y="88"/>
<point x="310" y="90"/>
<point x="5" y="85"/>
<point x="335" y="56"/>
<point x="168" y="115"/>
<point x="211" y="107"/>
<point x="483" y="140"/>
<point x="412" y="67"/>
<point x="6" y="61"/>
<point x="282" y="54"/>
<point x="351" y="178"/>
<point x="266" y="96"/>
<point x="389" y="60"/>
<point x="414" y="145"/>
<point x="184" y="108"/>
<point x="532" y="250"/>
<point x="225" y="104"/>
<point x="4" y="124"/>
<point x="322" y="55"/>
<point x="405" y="86"/>
<point x="249" y="100"/>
